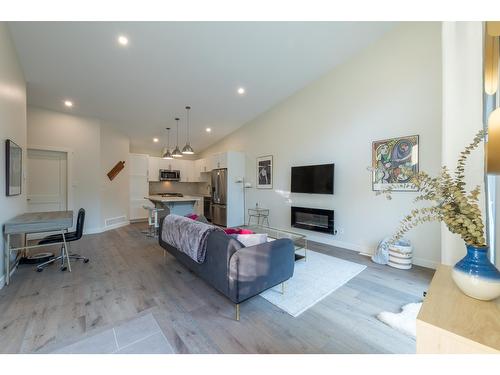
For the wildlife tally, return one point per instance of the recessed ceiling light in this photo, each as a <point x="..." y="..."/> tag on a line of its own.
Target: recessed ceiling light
<point x="208" y="130"/>
<point x="68" y="103"/>
<point x="123" y="40"/>
<point x="156" y="140"/>
<point x="241" y="90"/>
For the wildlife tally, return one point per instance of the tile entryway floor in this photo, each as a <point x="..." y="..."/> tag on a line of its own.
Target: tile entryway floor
<point x="141" y="335"/>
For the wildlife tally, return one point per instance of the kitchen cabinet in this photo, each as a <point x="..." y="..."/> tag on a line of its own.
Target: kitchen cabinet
<point x="184" y="169"/>
<point x="193" y="172"/>
<point x="154" y="168"/>
<point x="202" y="166"/>
<point x="218" y="160"/>
<point x="222" y="160"/>
<point x="170" y="164"/>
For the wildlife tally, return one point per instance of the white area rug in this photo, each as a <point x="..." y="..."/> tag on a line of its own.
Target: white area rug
<point x="405" y="321"/>
<point x="312" y="281"/>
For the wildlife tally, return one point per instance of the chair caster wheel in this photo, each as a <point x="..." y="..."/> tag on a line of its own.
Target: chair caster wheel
<point x="63" y="269"/>
<point x="39" y="270"/>
<point x="85" y="260"/>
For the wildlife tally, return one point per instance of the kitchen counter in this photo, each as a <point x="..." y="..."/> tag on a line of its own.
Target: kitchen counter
<point x="186" y="198"/>
<point x="178" y="205"/>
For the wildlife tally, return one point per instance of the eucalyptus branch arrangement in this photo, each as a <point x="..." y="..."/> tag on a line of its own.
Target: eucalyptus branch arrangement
<point x="453" y="205"/>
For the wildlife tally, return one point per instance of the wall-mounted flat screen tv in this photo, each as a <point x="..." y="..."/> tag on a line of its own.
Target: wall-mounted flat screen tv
<point x="313" y="179"/>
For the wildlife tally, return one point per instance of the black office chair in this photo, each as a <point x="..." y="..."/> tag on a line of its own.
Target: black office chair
<point x="70" y="237"/>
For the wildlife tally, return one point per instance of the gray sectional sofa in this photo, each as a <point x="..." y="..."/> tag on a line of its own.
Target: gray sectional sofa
<point x="240" y="272"/>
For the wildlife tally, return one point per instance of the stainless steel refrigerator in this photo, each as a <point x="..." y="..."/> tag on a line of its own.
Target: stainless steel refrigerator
<point x="219" y="197"/>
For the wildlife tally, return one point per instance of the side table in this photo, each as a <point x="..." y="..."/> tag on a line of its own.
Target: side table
<point x="258" y="213"/>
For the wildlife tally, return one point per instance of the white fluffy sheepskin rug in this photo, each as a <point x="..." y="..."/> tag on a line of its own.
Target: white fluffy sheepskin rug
<point x="405" y="321"/>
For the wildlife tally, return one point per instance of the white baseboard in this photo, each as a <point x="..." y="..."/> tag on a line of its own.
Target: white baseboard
<point x="104" y="229"/>
<point x="115" y="226"/>
<point x="92" y="230"/>
<point x="140" y="220"/>
<point x="425" y="263"/>
<point x="366" y="251"/>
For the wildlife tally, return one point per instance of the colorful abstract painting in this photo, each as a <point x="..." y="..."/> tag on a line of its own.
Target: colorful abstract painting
<point x="394" y="163"/>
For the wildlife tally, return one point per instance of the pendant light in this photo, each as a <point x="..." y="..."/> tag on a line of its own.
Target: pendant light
<point x="177" y="153"/>
<point x="188" y="150"/>
<point x="167" y="154"/>
<point x="491" y="48"/>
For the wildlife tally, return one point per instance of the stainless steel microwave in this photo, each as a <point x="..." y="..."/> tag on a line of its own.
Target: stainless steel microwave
<point x="170" y="175"/>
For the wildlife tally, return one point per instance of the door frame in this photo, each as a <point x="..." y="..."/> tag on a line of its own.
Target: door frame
<point x="69" y="170"/>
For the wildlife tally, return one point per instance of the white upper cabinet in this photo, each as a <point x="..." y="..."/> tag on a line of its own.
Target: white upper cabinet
<point x="190" y="170"/>
<point x="212" y="162"/>
<point x="183" y="167"/>
<point x="201" y="165"/>
<point x="154" y="168"/>
<point x="222" y="160"/>
<point x="170" y="164"/>
<point x="194" y="173"/>
<point x="217" y="161"/>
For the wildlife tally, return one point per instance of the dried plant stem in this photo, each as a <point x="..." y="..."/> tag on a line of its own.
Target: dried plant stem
<point x="455" y="207"/>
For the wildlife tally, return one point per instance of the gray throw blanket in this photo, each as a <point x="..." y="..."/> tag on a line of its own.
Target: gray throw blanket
<point x="188" y="236"/>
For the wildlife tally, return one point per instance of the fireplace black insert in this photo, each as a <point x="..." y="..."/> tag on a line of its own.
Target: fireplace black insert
<point x="315" y="219"/>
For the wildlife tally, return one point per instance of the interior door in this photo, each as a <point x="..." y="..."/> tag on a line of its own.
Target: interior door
<point x="47" y="174"/>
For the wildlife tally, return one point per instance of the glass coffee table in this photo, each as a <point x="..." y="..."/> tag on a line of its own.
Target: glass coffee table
<point x="299" y="240"/>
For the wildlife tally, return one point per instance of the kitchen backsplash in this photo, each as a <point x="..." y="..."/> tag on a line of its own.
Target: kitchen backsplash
<point x="186" y="188"/>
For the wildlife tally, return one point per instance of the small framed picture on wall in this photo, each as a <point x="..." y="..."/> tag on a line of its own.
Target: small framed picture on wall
<point x="265" y="172"/>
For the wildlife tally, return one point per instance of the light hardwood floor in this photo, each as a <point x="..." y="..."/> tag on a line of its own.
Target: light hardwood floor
<point x="130" y="274"/>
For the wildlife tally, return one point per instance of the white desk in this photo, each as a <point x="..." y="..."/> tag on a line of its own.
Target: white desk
<point x="34" y="222"/>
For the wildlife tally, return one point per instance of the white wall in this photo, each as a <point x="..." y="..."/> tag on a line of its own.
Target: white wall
<point x="96" y="148"/>
<point x="114" y="194"/>
<point x="462" y="112"/>
<point x="391" y="89"/>
<point x="12" y="126"/>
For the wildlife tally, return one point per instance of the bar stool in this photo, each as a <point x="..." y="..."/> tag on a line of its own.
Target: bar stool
<point x="258" y="213"/>
<point x="153" y="224"/>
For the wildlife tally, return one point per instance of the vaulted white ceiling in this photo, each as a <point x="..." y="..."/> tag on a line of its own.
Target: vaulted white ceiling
<point x="167" y="65"/>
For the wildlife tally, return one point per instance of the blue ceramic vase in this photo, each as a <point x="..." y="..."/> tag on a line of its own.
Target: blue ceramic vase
<point x="476" y="276"/>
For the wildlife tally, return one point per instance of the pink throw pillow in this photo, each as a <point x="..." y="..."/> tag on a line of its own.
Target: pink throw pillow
<point x="246" y="231"/>
<point x="237" y="231"/>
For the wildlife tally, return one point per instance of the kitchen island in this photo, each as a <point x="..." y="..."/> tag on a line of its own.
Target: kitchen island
<point x="178" y="205"/>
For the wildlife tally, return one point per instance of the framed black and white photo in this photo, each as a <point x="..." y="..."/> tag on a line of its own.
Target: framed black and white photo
<point x="14" y="162"/>
<point x="265" y="172"/>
